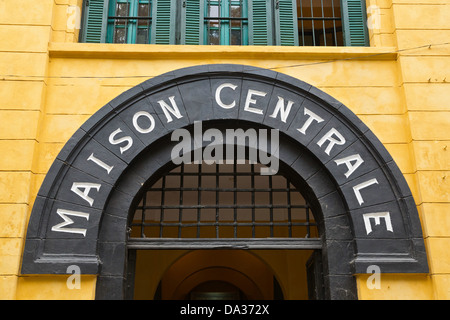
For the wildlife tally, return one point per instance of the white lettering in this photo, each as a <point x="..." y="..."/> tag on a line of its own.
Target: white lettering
<point x="198" y="142"/>
<point x="173" y="110"/>
<point x="219" y="90"/>
<point x="240" y="135"/>
<point x="127" y="139"/>
<point x="363" y="185"/>
<point x="249" y="101"/>
<point x="374" y="281"/>
<point x="377" y="217"/>
<point x="280" y="108"/>
<point x="312" y="117"/>
<point x="215" y="147"/>
<point x="100" y="163"/>
<point x="87" y="187"/>
<point x="181" y="152"/>
<point x="356" y="158"/>
<point x="67" y="221"/>
<point x="264" y="158"/>
<point x="197" y="310"/>
<point x="73" y="18"/>
<point x="74" y="281"/>
<point x="214" y="151"/>
<point x="333" y="141"/>
<point x="148" y="116"/>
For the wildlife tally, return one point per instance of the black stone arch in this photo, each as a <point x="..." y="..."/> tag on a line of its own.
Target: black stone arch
<point x="53" y="242"/>
<point x="302" y="169"/>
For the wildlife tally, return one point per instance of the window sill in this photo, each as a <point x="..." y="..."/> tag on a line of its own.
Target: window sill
<point x="146" y="51"/>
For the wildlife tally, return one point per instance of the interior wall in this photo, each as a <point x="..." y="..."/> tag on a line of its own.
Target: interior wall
<point x="252" y="271"/>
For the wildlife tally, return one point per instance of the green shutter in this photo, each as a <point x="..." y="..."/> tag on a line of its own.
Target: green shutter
<point x="354" y="23"/>
<point x="94" y="23"/>
<point x="260" y="22"/>
<point x="286" y="25"/>
<point x="192" y="23"/>
<point x="163" y="16"/>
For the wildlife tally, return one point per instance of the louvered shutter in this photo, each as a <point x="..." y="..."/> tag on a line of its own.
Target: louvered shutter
<point x="286" y="26"/>
<point x="192" y="24"/>
<point x="260" y="22"/>
<point x="95" y="19"/>
<point x="163" y="16"/>
<point x="354" y="23"/>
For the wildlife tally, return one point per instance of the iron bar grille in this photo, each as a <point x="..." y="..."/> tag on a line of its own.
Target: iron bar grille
<point x="222" y="201"/>
<point x="319" y="23"/>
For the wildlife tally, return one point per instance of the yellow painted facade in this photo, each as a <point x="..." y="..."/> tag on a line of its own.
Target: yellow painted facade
<point x="50" y="84"/>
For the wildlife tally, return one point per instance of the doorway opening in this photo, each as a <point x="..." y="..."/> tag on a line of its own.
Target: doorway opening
<point x="223" y="231"/>
<point x="222" y="275"/>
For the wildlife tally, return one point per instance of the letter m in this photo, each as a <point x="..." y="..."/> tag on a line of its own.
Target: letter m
<point x="67" y="221"/>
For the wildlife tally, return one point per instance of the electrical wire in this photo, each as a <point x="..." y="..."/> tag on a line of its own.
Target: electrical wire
<point x="429" y="46"/>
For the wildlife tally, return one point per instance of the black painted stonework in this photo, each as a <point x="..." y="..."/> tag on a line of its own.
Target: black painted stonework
<point x="366" y="216"/>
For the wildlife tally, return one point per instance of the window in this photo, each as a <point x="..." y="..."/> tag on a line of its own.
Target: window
<point x="129" y="21"/>
<point x="226" y="22"/>
<point x="319" y="23"/>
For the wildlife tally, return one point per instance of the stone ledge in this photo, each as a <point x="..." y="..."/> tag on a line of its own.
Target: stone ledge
<point x="149" y="51"/>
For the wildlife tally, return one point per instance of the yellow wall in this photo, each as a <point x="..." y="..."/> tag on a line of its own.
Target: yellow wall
<point x="49" y="85"/>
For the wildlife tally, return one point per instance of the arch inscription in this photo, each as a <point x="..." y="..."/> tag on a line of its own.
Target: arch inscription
<point x="76" y="218"/>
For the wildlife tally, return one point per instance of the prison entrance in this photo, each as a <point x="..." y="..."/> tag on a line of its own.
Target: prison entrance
<point x="223" y="231"/>
<point x="115" y="204"/>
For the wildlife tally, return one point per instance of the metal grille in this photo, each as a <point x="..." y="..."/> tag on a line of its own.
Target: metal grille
<point x="319" y="23"/>
<point x="222" y="201"/>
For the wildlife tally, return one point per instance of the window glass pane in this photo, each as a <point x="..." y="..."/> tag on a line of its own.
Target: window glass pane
<point x="122" y="9"/>
<point x="213" y="26"/>
<point x="213" y="33"/>
<point x="142" y="35"/>
<point x="143" y="10"/>
<point x="236" y="11"/>
<point x="236" y="25"/>
<point x="316" y="8"/>
<point x="128" y="29"/>
<point x="236" y="38"/>
<point x="213" y="10"/>
<point x="120" y="29"/>
<point x="228" y="28"/>
<point x="143" y="25"/>
<point x="304" y="8"/>
<point x="120" y="35"/>
<point x="339" y="33"/>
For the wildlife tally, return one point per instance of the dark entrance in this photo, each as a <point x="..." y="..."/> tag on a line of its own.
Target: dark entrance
<point x="223" y="206"/>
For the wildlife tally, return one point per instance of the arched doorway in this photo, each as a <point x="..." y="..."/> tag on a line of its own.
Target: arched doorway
<point x="222" y="206"/>
<point x="362" y="204"/>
